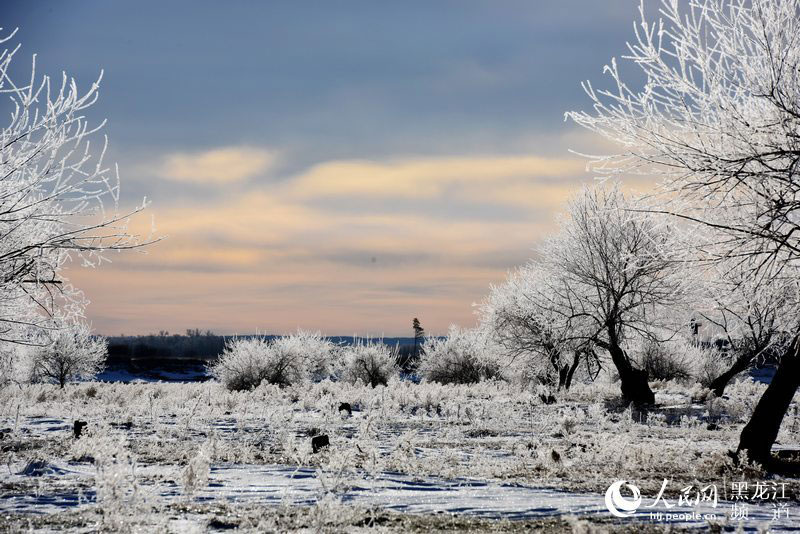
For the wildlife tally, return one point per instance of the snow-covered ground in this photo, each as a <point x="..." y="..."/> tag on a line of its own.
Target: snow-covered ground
<point x="275" y="485"/>
<point x="167" y="452"/>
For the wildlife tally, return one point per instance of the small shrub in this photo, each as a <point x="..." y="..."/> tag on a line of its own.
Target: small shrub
<point x="246" y="362"/>
<point x="370" y="362"/>
<point x="198" y="469"/>
<point x="668" y="360"/>
<point x="710" y="364"/>
<point x="315" y="352"/>
<point x="463" y="357"/>
<point x="243" y="364"/>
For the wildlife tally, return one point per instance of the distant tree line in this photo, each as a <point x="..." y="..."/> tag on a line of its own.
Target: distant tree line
<point x="193" y="345"/>
<point x="196" y="344"/>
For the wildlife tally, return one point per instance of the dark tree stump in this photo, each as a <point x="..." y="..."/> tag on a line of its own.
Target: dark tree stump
<point x="319" y="442"/>
<point x="77" y="428"/>
<point x="345" y="407"/>
<point x="635" y="387"/>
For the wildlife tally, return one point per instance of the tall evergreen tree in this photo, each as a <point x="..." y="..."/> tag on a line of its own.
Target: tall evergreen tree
<point x="419" y="335"/>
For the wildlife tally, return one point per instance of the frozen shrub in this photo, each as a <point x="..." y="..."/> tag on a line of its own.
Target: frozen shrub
<point x="679" y="359"/>
<point x="370" y="362"/>
<point x="243" y="364"/>
<point x="667" y="360"/>
<point x="120" y="498"/>
<point x="15" y="364"/>
<point x="742" y="397"/>
<point x="315" y="351"/>
<point x="195" y="474"/>
<point x="246" y="362"/>
<point x="709" y="365"/>
<point x="463" y="357"/>
<point x="68" y="354"/>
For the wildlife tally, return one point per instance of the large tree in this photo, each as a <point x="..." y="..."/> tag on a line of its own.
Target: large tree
<point x="58" y="199"/>
<point x="615" y="277"/>
<point x="717" y="117"/>
<point x="534" y="328"/>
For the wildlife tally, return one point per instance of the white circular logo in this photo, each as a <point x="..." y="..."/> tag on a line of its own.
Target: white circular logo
<point x="619" y="505"/>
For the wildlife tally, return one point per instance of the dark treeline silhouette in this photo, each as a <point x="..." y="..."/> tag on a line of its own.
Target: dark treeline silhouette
<point x="208" y="345"/>
<point x="193" y="345"/>
<point x="186" y="355"/>
<point x="163" y="356"/>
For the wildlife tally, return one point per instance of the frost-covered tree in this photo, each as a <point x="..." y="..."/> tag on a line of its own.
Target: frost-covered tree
<point x="245" y="363"/>
<point x="718" y="118"/>
<point x="535" y="330"/>
<point x="419" y="336"/>
<point x="58" y="199"/>
<point x="70" y="353"/>
<point x="464" y="356"/>
<point x="370" y="362"/>
<point x="615" y="276"/>
<point x="287" y="360"/>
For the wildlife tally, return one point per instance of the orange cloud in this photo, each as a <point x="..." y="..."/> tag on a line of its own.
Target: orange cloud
<point x="220" y="165"/>
<point x="425" y="177"/>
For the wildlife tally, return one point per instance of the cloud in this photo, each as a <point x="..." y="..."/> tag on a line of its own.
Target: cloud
<point x="217" y="166"/>
<point x="305" y="250"/>
<point x="426" y="177"/>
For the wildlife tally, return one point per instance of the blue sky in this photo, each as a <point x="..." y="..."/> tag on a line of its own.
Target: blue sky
<point x="342" y="166"/>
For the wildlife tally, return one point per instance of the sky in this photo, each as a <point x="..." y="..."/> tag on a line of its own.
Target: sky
<point x="333" y="166"/>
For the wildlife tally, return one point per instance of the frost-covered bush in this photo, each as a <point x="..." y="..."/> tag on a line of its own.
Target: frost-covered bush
<point x="463" y="357"/>
<point x="195" y="474"/>
<point x="120" y="498"/>
<point x="709" y="364"/>
<point x="246" y="362"/>
<point x="71" y="353"/>
<point x="742" y="397"/>
<point x="667" y="360"/>
<point x="316" y="351"/>
<point x="370" y="362"/>
<point x="679" y="359"/>
<point x="15" y="364"/>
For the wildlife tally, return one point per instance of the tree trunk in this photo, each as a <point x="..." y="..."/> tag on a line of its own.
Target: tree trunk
<point x="576" y="359"/>
<point x="719" y="384"/>
<point x="561" y="370"/>
<point x="633" y="381"/>
<point x="759" y="434"/>
<point x="562" y="377"/>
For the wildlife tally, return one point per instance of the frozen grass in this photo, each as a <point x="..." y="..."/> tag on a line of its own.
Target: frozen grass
<point x="150" y="448"/>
